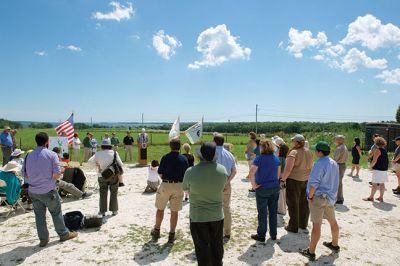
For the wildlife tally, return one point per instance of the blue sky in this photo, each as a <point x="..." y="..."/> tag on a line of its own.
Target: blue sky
<point x="299" y="60"/>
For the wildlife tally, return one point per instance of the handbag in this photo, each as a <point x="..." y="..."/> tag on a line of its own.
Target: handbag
<point x="112" y="170"/>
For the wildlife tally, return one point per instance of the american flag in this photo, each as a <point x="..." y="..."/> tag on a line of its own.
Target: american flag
<point x="67" y="127"/>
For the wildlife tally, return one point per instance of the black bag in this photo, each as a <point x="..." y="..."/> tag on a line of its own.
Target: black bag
<point x="73" y="220"/>
<point x="112" y="170"/>
<point x="92" y="221"/>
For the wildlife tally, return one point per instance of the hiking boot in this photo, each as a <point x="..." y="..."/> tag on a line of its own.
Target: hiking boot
<point x="257" y="238"/>
<point x="86" y="195"/>
<point x="306" y="253"/>
<point x="43" y="243"/>
<point x="69" y="236"/>
<point x="171" y="238"/>
<point x="155" y="234"/>
<point x="121" y="184"/>
<point x="331" y="246"/>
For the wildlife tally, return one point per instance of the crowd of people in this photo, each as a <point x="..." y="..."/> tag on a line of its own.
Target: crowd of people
<point x="284" y="178"/>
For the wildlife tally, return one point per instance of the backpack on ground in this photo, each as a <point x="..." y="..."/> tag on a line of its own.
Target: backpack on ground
<point x="73" y="220"/>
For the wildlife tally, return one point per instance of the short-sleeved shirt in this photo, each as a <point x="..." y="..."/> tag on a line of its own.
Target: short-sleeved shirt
<point x="302" y="164"/>
<point x="104" y="158"/>
<point x="205" y="183"/>
<point x="267" y="172"/>
<point x="226" y="158"/>
<point x="87" y="143"/>
<point x="341" y="154"/>
<point x="6" y="139"/>
<point x="39" y="167"/>
<point x="76" y="143"/>
<point x="128" y="140"/>
<point x="173" y="167"/>
<point x="114" y="141"/>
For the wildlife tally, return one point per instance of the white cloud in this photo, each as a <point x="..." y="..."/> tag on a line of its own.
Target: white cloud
<point x="300" y="40"/>
<point x="135" y="37"/>
<point x="120" y="12"/>
<point x="40" y="53"/>
<point x="383" y="91"/>
<point x="318" y="57"/>
<point x="69" y="47"/>
<point x="371" y="33"/>
<point x="165" y="45"/>
<point x="356" y="58"/>
<point x="217" y="46"/>
<point x="280" y="45"/>
<point x="361" y="81"/>
<point x="390" y="76"/>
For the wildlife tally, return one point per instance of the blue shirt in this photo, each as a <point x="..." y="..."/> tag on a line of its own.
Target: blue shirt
<point x="267" y="172"/>
<point x="324" y="177"/>
<point x="39" y="167"/>
<point x="6" y="139"/>
<point x="226" y="158"/>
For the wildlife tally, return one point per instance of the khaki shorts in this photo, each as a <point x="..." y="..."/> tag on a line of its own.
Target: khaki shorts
<point x="172" y="193"/>
<point x="321" y="209"/>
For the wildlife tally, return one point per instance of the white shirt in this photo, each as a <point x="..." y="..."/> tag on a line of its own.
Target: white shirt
<point x="103" y="159"/>
<point x="76" y="143"/>
<point x="153" y="174"/>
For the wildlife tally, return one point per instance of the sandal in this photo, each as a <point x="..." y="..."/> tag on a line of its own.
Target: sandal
<point x="379" y="199"/>
<point x="368" y="199"/>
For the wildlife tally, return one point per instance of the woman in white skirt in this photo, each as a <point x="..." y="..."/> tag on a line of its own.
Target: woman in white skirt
<point x="379" y="165"/>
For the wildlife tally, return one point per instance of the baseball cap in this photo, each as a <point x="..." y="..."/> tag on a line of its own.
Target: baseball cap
<point x="397" y="138"/>
<point x="106" y="142"/>
<point x="321" y="146"/>
<point x="298" y="138"/>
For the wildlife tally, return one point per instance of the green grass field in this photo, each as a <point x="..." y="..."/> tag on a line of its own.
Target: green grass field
<point x="159" y="140"/>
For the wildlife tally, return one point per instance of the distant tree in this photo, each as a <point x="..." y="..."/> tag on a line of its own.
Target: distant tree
<point x="40" y="125"/>
<point x="81" y="126"/>
<point x="398" y="115"/>
<point x="12" y="124"/>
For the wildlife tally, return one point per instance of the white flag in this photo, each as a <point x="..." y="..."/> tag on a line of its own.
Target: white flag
<point x="194" y="132"/>
<point x="175" y="130"/>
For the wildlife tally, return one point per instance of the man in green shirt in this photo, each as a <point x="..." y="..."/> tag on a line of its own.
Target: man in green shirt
<point x="87" y="145"/>
<point x="206" y="182"/>
<point x="114" y="141"/>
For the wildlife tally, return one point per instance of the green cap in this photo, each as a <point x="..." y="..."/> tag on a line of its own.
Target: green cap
<point x="321" y="146"/>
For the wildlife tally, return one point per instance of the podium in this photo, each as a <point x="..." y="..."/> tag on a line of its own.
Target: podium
<point x="142" y="154"/>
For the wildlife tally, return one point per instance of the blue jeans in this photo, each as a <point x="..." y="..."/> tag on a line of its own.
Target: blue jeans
<point x="51" y="201"/>
<point x="267" y="207"/>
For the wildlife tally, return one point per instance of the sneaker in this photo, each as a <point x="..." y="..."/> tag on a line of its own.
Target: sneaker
<point x="121" y="184"/>
<point x="291" y="231"/>
<point x="155" y="234"/>
<point x="304" y="230"/>
<point x="29" y="207"/>
<point x="103" y="214"/>
<point x="86" y="195"/>
<point x="171" y="238"/>
<point x="331" y="246"/>
<point x="397" y="192"/>
<point x="306" y="253"/>
<point x="114" y="213"/>
<point x="396" y="189"/>
<point x="69" y="236"/>
<point x="43" y="243"/>
<point x="350" y="175"/>
<point x="257" y="238"/>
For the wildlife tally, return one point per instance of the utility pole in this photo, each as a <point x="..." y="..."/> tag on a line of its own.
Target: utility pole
<point x="142" y="120"/>
<point x="256" y="118"/>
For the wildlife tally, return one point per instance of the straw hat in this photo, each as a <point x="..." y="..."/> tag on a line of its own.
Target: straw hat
<point x="17" y="152"/>
<point x="11" y="167"/>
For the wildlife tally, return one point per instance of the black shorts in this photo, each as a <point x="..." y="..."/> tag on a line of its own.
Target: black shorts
<point x="355" y="161"/>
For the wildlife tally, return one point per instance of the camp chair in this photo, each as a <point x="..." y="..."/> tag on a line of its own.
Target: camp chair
<point x="3" y="199"/>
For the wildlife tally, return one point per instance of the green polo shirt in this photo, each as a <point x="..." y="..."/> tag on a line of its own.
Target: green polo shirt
<point x="206" y="182"/>
<point x="86" y="143"/>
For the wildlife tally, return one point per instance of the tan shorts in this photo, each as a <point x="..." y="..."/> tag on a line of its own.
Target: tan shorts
<point x="321" y="209"/>
<point x="172" y="193"/>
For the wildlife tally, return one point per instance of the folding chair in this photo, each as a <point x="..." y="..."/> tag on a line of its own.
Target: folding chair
<point x="3" y="199"/>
